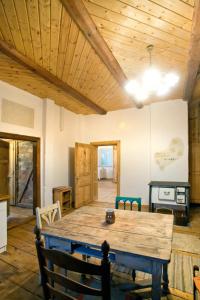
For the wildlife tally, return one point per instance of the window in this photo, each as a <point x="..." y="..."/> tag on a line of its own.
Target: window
<point x="106" y="156"/>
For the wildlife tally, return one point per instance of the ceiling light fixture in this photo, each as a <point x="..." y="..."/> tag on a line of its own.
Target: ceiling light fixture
<point x="151" y="82"/>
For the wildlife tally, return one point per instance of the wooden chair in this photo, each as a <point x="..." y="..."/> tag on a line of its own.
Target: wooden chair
<point x="52" y="280"/>
<point x="128" y="200"/>
<point x="196" y="281"/>
<point x="49" y="214"/>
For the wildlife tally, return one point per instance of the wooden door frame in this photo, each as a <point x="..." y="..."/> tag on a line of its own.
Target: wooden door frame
<point x="117" y="144"/>
<point x="36" y="162"/>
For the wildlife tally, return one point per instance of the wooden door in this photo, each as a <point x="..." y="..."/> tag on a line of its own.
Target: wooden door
<point x="83" y="174"/>
<point x="4" y="167"/>
<point x="95" y="172"/>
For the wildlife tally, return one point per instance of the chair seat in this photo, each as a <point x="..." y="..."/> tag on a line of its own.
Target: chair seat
<point x="197" y="282"/>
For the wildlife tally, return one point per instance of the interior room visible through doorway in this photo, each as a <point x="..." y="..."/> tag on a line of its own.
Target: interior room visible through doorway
<point x="18" y="177"/>
<point x="107" y="175"/>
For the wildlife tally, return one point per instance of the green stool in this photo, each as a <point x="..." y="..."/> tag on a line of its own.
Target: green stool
<point x="129" y="200"/>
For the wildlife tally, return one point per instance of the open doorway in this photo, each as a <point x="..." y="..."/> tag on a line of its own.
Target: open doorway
<point x="107" y="181"/>
<point x="20" y="176"/>
<point x="108" y="170"/>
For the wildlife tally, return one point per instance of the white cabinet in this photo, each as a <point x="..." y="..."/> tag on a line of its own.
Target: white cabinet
<point x="3" y="226"/>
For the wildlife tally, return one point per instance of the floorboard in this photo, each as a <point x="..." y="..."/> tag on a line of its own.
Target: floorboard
<point x="107" y="191"/>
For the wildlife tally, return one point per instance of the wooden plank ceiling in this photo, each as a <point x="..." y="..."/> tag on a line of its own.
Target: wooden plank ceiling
<point x="44" y="32"/>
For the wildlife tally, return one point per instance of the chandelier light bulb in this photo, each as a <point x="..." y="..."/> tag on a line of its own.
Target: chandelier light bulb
<point x="141" y="94"/>
<point x="171" y="79"/>
<point x="151" y="79"/>
<point x="162" y="90"/>
<point x="131" y="86"/>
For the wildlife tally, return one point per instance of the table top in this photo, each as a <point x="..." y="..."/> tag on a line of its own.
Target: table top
<point x="142" y="233"/>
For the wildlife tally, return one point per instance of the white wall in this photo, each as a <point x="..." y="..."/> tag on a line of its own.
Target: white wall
<point x="60" y="135"/>
<point x="142" y="133"/>
<point x="17" y="95"/>
<point x="169" y="121"/>
<point x="58" y="129"/>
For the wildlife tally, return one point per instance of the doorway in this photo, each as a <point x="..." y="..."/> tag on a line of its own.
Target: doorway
<point x="107" y="187"/>
<point x="108" y="170"/>
<point x="21" y="176"/>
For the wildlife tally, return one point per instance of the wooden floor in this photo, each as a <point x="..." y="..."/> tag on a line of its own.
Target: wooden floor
<point x="19" y="215"/>
<point x="19" y="268"/>
<point x="194" y="225"/>
<point x="107" y="191"/>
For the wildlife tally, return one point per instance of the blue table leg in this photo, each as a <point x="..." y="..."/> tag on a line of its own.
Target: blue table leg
<point x="156" y="280"/>
<point x="165" y="279"/>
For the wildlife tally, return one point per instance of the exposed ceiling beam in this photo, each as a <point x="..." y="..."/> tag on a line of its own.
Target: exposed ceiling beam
<point x="194" y="58"/>
<point x="82" y="18"/>
<point x="28" y="63"/>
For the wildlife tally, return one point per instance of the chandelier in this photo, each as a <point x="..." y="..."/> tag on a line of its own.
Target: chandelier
<point x="152" y="82"/>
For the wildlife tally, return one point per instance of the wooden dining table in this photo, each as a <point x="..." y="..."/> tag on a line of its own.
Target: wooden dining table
<point x="138" y="240"/>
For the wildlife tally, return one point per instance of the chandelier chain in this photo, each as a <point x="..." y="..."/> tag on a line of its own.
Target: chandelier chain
<point x="150" y="49"/>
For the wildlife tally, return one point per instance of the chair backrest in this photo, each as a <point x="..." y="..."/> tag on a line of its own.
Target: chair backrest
<point x="52" y="280"/>
<point x="128" y="200"/>
<point x="49" y="214"/>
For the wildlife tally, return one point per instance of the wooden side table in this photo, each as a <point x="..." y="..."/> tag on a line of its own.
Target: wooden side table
<point x="63" y="194"/>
